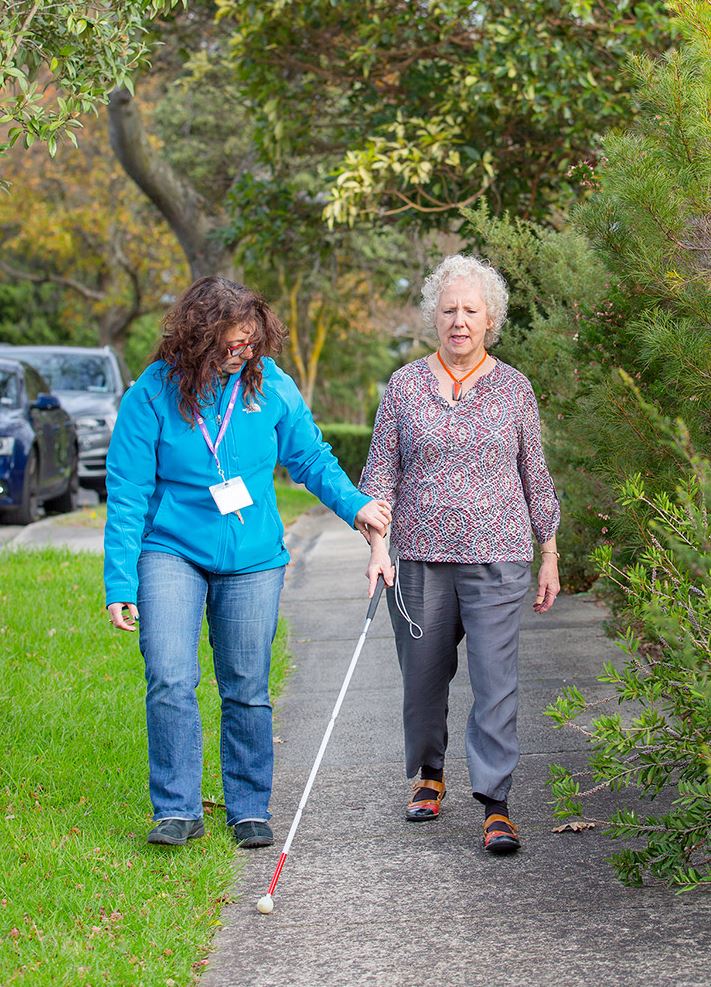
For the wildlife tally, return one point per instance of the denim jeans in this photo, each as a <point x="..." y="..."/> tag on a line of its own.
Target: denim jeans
<point x="242" y="615"/>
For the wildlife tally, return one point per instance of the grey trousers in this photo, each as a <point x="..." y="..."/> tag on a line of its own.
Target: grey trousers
<point x="448" y="601"/>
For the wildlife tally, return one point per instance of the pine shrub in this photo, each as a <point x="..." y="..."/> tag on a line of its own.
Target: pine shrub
<point x="659" y="744"/>
<point x="614" y="360"/>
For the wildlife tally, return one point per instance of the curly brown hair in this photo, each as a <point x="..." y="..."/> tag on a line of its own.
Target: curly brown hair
<point x="192" y="342"/>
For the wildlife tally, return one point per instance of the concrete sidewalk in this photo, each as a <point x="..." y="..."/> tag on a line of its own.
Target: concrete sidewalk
<point x="367" y="898"/>
<point x="58" y="531"/>
<point x="71" y="531"/>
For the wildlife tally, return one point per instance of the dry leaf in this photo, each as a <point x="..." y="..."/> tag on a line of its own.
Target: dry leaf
<point x="574" y="827"/>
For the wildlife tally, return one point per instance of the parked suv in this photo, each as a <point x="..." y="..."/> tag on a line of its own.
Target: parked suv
<point x="89" y="382"/>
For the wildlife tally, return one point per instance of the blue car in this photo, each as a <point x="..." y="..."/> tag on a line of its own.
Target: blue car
<point x="39" y="453"/>
<point x="89" y="382"/>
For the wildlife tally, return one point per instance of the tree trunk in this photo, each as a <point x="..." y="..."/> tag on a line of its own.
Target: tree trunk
<point x="185" y="211"/>
<point x="114" y="324"/>
<point x="319" y="341"/>
<point x="114" y="320"/>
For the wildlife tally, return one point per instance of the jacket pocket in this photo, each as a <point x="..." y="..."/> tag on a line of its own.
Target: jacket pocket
<point x="164" y="517"/>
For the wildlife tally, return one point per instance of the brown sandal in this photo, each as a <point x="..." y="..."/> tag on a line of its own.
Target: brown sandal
<point x="427" y="808"/>
<point x="499" y="840"/>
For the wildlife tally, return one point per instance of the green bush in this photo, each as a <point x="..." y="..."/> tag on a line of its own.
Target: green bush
<point x="662" y="744"/>
<point x="350" y="444"/>
<point x="613" y="330"/>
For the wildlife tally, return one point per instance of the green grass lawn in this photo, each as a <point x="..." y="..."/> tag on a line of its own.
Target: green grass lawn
<point x="292" y="501"/>
<point x="83" y="899"/>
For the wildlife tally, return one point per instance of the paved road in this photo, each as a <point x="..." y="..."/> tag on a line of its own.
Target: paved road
<point x="367" y="898"/>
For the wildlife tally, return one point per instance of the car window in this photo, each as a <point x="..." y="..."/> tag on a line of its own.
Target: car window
<point x="74" y="371"/>
<point x="9" y="389"/>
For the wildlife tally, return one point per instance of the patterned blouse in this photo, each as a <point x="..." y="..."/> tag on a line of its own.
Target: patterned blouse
<point x="466" y="482"/>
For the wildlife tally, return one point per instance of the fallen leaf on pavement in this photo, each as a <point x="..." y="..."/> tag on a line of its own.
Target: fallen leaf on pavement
<point x="574" y="827"/>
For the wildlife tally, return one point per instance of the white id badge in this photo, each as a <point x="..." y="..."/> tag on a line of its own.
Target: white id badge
<point x="231" y="496"/>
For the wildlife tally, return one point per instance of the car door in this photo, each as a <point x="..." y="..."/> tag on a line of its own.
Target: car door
<point x="48" y="426"/>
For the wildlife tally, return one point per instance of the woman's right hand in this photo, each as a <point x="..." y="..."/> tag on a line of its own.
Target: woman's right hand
<point x="119" y="620"/>
<point x="378" y="565"/>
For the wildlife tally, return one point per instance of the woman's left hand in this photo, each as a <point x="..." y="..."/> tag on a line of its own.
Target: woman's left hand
<point x="548" y="584"/>
<point x="375" y="514"/>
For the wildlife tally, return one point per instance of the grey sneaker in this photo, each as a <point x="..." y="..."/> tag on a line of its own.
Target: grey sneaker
<point x="252" y="834"/>
<point x="176" y="832"/>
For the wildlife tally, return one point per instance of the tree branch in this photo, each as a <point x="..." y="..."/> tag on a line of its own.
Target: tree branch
<point x="89" y="293"/>
<point x="21" y="33"/>
<point x="410" y="204"/>
<point x="185" y="210"/>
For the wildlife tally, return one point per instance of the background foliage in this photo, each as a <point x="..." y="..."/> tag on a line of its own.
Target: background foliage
<point x="423" y="107"/>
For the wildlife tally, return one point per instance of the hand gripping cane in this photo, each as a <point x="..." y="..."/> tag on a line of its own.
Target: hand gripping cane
<point x="266" y="904"/>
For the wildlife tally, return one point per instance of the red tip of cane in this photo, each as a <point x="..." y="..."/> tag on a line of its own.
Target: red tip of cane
<point x="277" y="872"/>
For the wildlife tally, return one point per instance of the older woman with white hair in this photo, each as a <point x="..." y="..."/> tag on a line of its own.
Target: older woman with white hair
<point x="456" y="450"/>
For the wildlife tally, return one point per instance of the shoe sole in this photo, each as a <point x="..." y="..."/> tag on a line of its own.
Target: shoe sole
<point x="416" y="819"/>
<point x="171" y="841"/>
<point x="502" y="847"/>
<point x="254" y="843"/>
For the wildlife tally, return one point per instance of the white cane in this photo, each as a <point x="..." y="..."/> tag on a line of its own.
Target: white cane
<point x="266" y="904"/>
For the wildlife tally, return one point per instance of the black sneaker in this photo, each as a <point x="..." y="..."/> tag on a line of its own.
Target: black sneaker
<point x="252" y="834"/>
<point x="176" y="832"/>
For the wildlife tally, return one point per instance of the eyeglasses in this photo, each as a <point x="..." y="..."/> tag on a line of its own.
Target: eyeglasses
<point x="239" y="348"/>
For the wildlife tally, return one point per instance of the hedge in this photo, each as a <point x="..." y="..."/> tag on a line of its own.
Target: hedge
<point x="350" y="444"/>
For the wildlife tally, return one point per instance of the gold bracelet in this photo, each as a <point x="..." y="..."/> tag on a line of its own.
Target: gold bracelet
<point x="549" y="552"/>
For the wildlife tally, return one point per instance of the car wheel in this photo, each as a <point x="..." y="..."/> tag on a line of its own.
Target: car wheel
<point x="28" y="511"/>
<point x="69" y="500"/>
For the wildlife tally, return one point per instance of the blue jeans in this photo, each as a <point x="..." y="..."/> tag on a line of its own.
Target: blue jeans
<point x="242" y="615"/>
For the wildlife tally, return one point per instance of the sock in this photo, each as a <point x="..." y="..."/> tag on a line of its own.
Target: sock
<point x="434" y="774"/>
<point x="494" y="807"/>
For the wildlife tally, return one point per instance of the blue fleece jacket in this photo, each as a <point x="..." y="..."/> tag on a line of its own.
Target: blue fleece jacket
<point x="159" y="469"/>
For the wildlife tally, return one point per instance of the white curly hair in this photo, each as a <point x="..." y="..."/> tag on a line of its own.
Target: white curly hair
<point x="486" y="278"/>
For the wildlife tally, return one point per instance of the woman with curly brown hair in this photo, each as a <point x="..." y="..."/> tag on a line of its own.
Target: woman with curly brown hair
<point x="192" y="525"/>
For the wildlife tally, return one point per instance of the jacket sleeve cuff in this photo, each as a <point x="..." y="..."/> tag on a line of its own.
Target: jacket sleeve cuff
<point x="358" y="501"/>
<point x="121" y="594"/>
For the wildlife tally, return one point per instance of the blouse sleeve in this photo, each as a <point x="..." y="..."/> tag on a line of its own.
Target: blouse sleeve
<point x="381" y="475"/>
<point x="538" y="488"/>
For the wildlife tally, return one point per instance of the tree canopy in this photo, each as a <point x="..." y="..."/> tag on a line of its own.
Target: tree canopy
<point x="78" y="224"/>
<point x="421" y="107"/>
